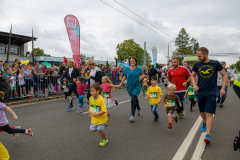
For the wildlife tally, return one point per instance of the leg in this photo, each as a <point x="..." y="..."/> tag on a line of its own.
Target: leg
<point x="10" y="130"/>
<point x="88" y="94"/>
<point x="154" y="110"/>
<point x="224" y="96"/>
<point x="203" y="115"/>
<point x="170" y="117"/>
<point x="137" y="103"/>
<point x="218" y="93"/>
<point x="133" y="104"/>
<point x="65" y="95"/>
<point x="209" y="123"/>
<point x="102" y="133"/>
<point x="110" y="102"/>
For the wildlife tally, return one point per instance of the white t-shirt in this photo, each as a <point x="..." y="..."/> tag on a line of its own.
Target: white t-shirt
<point x="70" y="72"/>
<point x="13" y="83"/>
<point x="20" y="81"/>
<point x="93" y="73"/>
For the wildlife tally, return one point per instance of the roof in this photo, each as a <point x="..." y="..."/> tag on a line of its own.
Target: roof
<point x="46" y="63"/>
<point x="15" y="38"/>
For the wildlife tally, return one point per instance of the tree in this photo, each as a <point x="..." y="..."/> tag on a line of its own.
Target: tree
<point x="182" y="41"/>
<point x="39" y="52"/>
<point x="129" y="48"/>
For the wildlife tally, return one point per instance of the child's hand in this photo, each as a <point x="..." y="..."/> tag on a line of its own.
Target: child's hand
<point x="159" y="101"/>
<point x="146" y="98"/>
<point x="87" y="83"/>
<point x="90" y="115"/>
<point x="165" y="105"/>
<point x="74" y="79"/>
<point x="15" y="117"/>
<point x="94" y="114"/>
<point x="180" y="105"/>
<point x="184" y="97"/>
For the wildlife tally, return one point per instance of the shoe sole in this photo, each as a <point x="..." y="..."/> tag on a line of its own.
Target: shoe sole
<point x="104" y="144"/>
<point x="169" y="128"/>
<point x="31" y="131"/>
<point x="207" y="141"/>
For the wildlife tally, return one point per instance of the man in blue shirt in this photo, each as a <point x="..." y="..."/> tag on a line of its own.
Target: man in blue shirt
<point x="207" y="71"/>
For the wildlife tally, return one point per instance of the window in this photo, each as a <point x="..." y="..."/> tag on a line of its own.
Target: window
<point x="12" y="51"/>
<point x="2" y="50"/>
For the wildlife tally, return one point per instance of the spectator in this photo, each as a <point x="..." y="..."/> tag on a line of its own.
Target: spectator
<point x="42" y="66"/>
<point x="36" y="77"/>
<point x="18" y="62"/>
<point x="44" y="69"/>
<point x="143" y="68"/>
<point x="103" y="70"/>
<point x="27" y="74"/>
<point x="151" y="72"/>
<point x="64" y="60"/>
<point x="21" y="83"/>
<point x="114" y="72"/>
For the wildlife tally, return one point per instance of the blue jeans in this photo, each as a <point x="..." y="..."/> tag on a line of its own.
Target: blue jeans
<point x="218" y="94"/>
<point x="114" y="81"/>
<point x="154" y="110"/>
<point x="134" y="104"/>
<point x="180" y="96"/>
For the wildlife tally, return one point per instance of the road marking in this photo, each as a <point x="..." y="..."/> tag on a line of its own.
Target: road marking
<point x="118" y="103"/>
<point x="188" y="140"/>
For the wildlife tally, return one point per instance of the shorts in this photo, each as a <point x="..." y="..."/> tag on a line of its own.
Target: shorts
<point x="207" y="103"/>
<point x="99" y="127"/>
<point x="170" y="111"/>
<point x="13" y="88"/>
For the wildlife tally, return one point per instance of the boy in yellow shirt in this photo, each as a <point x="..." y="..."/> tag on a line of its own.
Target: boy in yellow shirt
<point x="3" y="152"/>
<point x="98" y="112"/>
<point x="155" y="95"/>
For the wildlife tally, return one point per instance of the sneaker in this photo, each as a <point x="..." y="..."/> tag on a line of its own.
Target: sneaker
<point x="87" y="102"/>
<point x="204" y="127"/>
<point x="184" y="100"/>
<point x="64" y="100"/>
<point x="16" y="135"/>
<point x="220" y="105"/>
<point x="218" y="101"/>
<point x="69" y="107"/>
<point x="181" y="115"/>
<point x="155" y="119"/>
<point x="139" y="111"/>
<point x="106" y="124"/>
<point x="175" y="119"/>
<point x="108" y="114"/>
<point x="103" y="142"/>
<point x="116" y="102"/>
<point x="132" y="118"/>
<point x="79" y="111"/>
<point x="170" y="126"/>
<point x="29" y="132"/>
<point x="207" y="139"/>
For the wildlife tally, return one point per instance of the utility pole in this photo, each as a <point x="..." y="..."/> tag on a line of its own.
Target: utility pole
<point x="168" y="53"/>
<point x="9" y="42"/>
<point x="144" y="56"/>
<point x="32" y="49"/>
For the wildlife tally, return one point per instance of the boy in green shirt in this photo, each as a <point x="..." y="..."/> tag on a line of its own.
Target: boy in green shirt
<point x="192" y="95"/>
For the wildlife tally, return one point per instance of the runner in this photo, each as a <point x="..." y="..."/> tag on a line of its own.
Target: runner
<point x="134" y="75"/>
<point x="219" y="84"/>
<point x="70" y="73"/>
<point x="151" y="72"/>
<point x="207" y="69"/>
<point x="178" y="76"/>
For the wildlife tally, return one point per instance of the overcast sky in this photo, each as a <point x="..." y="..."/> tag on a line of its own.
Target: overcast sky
<point x="215" y="24"/>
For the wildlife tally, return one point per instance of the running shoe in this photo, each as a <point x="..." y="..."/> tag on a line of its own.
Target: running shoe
<point x="175" y="119"/>
<point x="79" y="111"/>
<point x="220" y="105"/>
<point x="155" y="119"/>
<point x="16" y="135"/>
<point x="64" y="100"/>
<point x="103" y="142"/>
<point x="170" y="126"/>
<point x="108" y="114"/>
<point x="184" y="100"/>
<point x="207" y="139"/>
<point x="181" y="115"/>
<point x="139" y="111"/>
<point x="204" y="127"/>
<point x="29" y="132"/>
<point x="132" y="118"/>
<point x="106" y="124"/>
<point x="69" y="107"/>
<point x="116" y="102"/>
<point x="87" y="102"/>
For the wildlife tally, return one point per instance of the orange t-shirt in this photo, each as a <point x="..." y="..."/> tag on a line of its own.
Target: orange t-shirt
<point x="145" y="82"/>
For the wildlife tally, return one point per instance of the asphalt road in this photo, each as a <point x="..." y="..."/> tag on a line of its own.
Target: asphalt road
<point x="65" y="135"/>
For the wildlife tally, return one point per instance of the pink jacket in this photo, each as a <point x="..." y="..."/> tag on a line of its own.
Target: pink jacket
<point x="81" y="88"/>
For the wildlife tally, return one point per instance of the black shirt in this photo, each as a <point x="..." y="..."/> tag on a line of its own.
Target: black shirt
<point x="152" y="72"/>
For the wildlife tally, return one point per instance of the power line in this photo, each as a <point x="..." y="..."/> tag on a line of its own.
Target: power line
<point x="143" y="19"/>
<point x="136" y="20"/>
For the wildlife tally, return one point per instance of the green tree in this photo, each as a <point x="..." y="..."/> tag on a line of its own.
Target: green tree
<point x="237" y="65"/>
<point x="130" y="48"/>
<point x="39" y="52"/>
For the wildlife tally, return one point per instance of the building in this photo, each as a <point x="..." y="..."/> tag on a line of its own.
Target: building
<point x="18" y="47"/>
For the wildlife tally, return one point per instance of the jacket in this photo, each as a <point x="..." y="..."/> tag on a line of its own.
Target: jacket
<point x="97" y="78"/>
<point x="219" y="78"/>
<point x="75" y="74"/>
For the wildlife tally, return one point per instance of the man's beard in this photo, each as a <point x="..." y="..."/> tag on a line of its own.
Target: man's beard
<point x="176" y="66"/>
<point x="204" y="59"/>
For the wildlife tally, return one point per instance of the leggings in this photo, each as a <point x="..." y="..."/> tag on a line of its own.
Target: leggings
<point x="66" y="94"/>
<point x="11" y="130"/>
<point x="134" y="104"/>
<point x="108" y="102"/>
<point x="180" y="96"/>
<point x="81" y="101"/>
<point x="73" y="88"/>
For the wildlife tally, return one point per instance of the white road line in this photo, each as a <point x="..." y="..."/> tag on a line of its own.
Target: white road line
<point x="188" y="140"/>
<point x="118" y="103"/>
<point x="199" y="148"/>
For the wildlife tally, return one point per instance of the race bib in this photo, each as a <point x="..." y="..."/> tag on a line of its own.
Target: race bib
<point x="94" y="109"/>
<point x="64" y="86"/>
<point x="153" y="94"/>
<point x="171" y="103"/>
<point x="191" y="93"/>
<point x="107" y="95"/>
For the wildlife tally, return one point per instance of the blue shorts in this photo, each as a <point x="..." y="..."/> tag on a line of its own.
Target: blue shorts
<point x="99" y="127"/>
<point x="207" y="103"/>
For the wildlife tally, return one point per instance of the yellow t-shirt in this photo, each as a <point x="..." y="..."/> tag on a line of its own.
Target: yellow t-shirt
<point x="154" y="93"/>
<point x="3" y="152"/>
<point x="97" y="106"/>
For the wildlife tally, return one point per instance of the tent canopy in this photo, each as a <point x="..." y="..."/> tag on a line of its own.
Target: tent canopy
<point x="46" y="64"/>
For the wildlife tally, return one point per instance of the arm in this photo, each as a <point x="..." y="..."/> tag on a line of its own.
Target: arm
<point x="179" y="102"/>
<point x="185" y="95"/>
<point x="97" y="114"/>
<point x="167" y="80"/>
<point x="160" y="99"/>
<point x="224" y="79"/>
<point x="15" y="117"/>
<point x="193" y="78"/>
<point x="64" y="74"/>
<point x="98" y="76"/>
<point x="164" y="102"/>
<point x="141" y="77"/>
<point x="124" y="78"/>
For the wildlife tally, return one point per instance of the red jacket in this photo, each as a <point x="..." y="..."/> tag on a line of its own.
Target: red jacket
<point x="65" y="60"/>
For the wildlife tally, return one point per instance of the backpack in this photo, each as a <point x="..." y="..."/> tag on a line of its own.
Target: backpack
<point x="4" y="86"/>
<point x="236" y="142"/>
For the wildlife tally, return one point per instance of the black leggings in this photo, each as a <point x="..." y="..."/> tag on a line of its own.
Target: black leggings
<point x="134" y="104"/>
<point x="73" y="88"/>
<point x="9" y="130"/>
<point x="66" y="94"/>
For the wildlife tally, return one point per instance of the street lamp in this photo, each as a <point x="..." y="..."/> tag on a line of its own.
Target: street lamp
<point x="168" y="52"/>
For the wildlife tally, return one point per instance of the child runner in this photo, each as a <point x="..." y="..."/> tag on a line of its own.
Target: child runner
<point x="81" y="90"/>
<point x="155" y="95"/>
<point x="145" y="81"/>
<point x="170" y="101"/>
<point x="192" y="95"/>
<point x="21" y="83"/>
<point x="107" y="87"/>
<point x="13" y="84"/>
<point x="98" y="112"/>
<point x="66" y="87"/>
<point x="4" y="122"/>
<point x="3" y="152"/>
